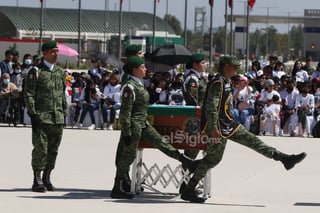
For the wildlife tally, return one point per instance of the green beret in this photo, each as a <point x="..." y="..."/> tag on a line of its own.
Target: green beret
<point x="135" y="61"/>
<point x="49" y="45"/>
<point x="15" y="52"/>
<point x="197" y="57"/>
<point x="36" y="57"/>
<point x="133" y="49"/>
<point x="229" y="59"/>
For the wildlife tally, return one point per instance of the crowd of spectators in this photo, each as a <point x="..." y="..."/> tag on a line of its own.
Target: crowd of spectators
<point x="267" y="100"/>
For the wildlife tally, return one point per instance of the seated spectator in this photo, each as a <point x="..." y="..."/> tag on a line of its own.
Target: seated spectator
<point x="308" y="66"/>
<point x="304" y="107"/>
<point x="288" y="97"/>
<point x="255" y="67"/>
<point x="112" y="100"/>
<point x="316" y="73"/>
<point x="176" y="96"/>
<point x="298" y="73"/>
<point x="8" y="92"/>
<point x="316" y="99"/>
<point x="278" y="72"/>
<point x="242" y="96"/>
<point x="77" y="86"/>
<point x="89" y="102"/>
<point x="270" y="110"/>
<point x="267" y="98"/>
<point x="164" y="91"/>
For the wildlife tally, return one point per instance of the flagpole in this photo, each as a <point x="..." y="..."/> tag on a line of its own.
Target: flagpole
<point x="247" y="37"/>
<point x="154" y="26"/>
<point x="185" y="23"/>
<point x="79" y="33"/>
<point x="120" y="27"/>
<point x="41" y="26"/>
<point x="211" y="42"/>
<point x="225" y="27"/>
<point x="231" y="31"/>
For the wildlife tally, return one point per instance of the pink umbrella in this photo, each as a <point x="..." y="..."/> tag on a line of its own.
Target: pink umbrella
<point x="66" y="50"/>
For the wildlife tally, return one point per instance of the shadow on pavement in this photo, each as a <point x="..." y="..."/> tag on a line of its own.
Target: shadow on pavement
<point x="69" y="193"/>
<point x="306" y="204"/>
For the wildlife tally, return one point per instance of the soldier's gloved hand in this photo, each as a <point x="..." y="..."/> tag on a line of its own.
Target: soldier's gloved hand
<point x="127" y="140"/>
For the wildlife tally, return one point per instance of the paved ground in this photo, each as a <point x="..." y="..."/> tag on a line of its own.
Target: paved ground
<point x="244" y="182"/>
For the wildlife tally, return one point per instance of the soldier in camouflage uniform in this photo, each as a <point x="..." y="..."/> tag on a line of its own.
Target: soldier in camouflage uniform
<point x="194" y="88"/>
<point x="134" y="126"/>
<point x="219" y="125"/>
<point x="45" y="100"/>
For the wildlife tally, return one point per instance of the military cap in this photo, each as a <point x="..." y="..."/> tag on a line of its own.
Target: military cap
<point x="49" y="45"/>
<point x="135" y="61"/>
<point x="133" y="49"/>
<point x="229" y="59"/>
<point x="36" y="57"/>
<point x="197" y="57"/>
<point x="15" y="52"/>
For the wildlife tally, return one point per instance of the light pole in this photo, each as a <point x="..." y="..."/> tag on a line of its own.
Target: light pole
<point x="106" y="7"/>
<point x="79" y="33"/>
<point x="185" y="23"/>
<point x="41" y="26"/>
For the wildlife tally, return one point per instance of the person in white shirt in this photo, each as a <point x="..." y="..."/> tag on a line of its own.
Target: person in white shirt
<point x="112" y="101"/>
<point x="300" y="74"/>
<point x="278" y="72"/>
<point x="268" y="97"/>
<point x="268" y="92"/>
<point x="304" y="107"/>
<point x="288" y="97"/>
<point x="270" y="110"/>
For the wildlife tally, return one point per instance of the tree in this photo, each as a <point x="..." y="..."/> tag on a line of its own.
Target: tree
<point x="296" y="39"/>
<point x="219" y="39"/>
<point x="174" y="23"/>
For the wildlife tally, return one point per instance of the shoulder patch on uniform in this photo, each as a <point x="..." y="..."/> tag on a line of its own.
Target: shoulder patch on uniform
<point x="128" y="92"/>
<point x="33" y="73"/>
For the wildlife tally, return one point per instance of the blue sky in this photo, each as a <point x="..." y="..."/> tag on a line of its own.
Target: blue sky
<point x="176" y="7"/>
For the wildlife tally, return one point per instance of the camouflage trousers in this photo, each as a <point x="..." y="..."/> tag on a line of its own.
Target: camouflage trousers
<point x="215" y="151"/>
<point x="46" y="139"/>
<point x="127" y="153"/>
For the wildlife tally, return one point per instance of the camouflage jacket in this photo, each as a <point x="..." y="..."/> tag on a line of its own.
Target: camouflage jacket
<point x="134" y="106"/>
<point x="217" y="110"/>
<point x="44" y="94"/>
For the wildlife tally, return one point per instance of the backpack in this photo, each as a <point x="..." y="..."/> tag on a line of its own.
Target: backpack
<point x="316" y="130"/>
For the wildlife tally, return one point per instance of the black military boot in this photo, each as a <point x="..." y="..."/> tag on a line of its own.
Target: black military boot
<point x="46" y="180"/>
<point x="289" y="161"/>
<point x="37" y="182"/>
<point x="189" y="163"/>
<point x="127" y="183"/>
<point x="189" y="193"/>
<point x="118" y="190"/>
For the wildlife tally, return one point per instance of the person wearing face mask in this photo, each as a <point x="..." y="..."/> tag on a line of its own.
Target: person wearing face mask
<point x="288" y="97"/>
<point x="17" y="79"/>
<point x="7" y="90"/>
<point x="27" y="62"/>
